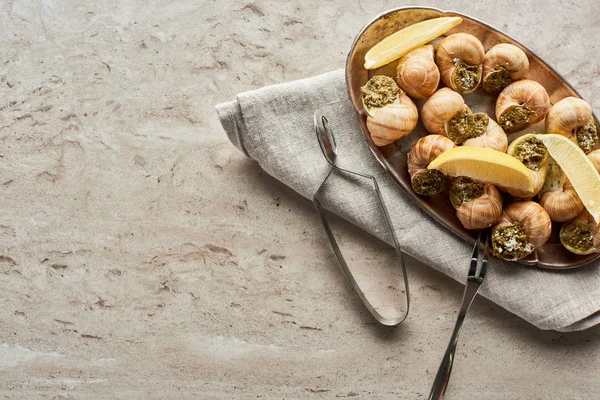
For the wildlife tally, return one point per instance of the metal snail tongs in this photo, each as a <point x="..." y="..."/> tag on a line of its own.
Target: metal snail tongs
<point x="329" y="149"/>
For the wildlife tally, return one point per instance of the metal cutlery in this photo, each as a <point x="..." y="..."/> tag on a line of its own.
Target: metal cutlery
<point x="474" y="280"/>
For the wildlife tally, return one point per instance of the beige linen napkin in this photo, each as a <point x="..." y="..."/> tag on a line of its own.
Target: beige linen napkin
<point x="274" y="126"/>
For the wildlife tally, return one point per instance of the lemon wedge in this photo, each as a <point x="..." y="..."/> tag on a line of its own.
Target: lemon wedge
<point x="485" y="165"/>
<point x="398" y="44"/>
<point x="578" y="168"/>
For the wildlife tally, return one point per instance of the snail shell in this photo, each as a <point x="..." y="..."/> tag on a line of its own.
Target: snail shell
<point x="392" y="121"/>
<point x="445" y="113"/>
<point x="440" y="108"/>
<point x="503" y="64"/>
<point x="568" y="117"/>
<point x="493" y="138"/>
<point x="521" y="104"/>
<point x="459" y="58"/>
<point x="562" y="205"/>
<point x="483" y="211"/>
<point x="582" y="235"/>
<point x="538" y="176"/>
<point x="424" y="151"/>
<point x="417" y="74"/>
<point x="558" y="197"/>
<point x="523" y="227"/>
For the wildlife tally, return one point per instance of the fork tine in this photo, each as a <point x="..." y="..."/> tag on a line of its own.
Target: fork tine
<point x="475" y="257"/>
<point x="486" y="251"/>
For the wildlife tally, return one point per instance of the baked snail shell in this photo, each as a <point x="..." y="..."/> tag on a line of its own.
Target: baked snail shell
<point x="572" y="117"/>
<point x="440" y="108"/>
<point x="521" y="104"/>
<point x="393" y="121"/>
<point x="582" y="235"/>
<point x="460" y="58"/>
<point x="558" y="197"/>
<point x="478" y="205"/>
<point x="536" y="163"/>
<point x="417" y="74"/>
<point x="445" y="113"/>
<point x="394" y="114"/>
<point x="523" y="227"/>
<point x="503" y="64"/>
<point x="427" y="182"/>
<point x="493" y="138"/>
<point x="563" y="204"/>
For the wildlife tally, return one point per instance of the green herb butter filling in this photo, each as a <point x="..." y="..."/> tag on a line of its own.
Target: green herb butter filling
<point x="464" y="189"/>
<point x="510" y="242"/>
<point x="577" y="235"/>
<point x="466" y="125"/>
<point x="532" y="152"/>
<point x="459" y="127"/>
<point x="428" y="182"/>
<point x="379" y="91"/>
<point x="515" y="118"/>
<point x="480" y="122"/>
<point x="587" y="137"/>
<point x="465" y="77"/>
<point x="495" y="82"/>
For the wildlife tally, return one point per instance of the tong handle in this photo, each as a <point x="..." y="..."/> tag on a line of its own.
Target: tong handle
<point x="387" y="321"/>
<point x="328" y="146"/>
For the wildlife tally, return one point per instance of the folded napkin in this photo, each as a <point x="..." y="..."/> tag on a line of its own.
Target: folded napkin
<point x="274" y="126"/>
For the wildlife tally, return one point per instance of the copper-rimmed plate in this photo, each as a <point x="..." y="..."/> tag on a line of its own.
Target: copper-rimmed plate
<point x="393" y="157"/>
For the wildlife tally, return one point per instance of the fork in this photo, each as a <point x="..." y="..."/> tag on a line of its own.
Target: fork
<point x="474" y="280"/>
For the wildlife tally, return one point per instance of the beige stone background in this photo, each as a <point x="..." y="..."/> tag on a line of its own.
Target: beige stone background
<point x="143" y="257"/>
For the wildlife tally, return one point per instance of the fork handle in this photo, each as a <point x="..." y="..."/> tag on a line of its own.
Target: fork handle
<point x="443" y="374"/>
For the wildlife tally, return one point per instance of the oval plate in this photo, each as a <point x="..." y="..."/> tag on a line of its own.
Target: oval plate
<point x="393" y="157"/>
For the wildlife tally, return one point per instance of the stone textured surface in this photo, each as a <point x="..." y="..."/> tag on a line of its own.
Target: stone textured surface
<point x="142" y="256"/>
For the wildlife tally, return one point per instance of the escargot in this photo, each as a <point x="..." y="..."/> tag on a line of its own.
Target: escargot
<point x="417" y="74"/>
<point x="493" y="138"/>
<point x="391" y="113"/>
<point x="581" y="235"/>
<point x="445" y="113"/>
<point x="478" y="205"/>
<point x="523" y="227"/>
<point x="460" y="58"/>
<point x="558" y="197"/>
<point x="521" y="104"/>
<point x="427" y="182"/>
<point x="572" y="117"/>
<point x="503" y="64"/>
<point x="534" y="155"/>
